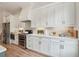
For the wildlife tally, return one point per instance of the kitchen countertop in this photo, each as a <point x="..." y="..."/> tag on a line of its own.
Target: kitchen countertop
<point x="38" y="35"/>
<point x="2" y="49"/>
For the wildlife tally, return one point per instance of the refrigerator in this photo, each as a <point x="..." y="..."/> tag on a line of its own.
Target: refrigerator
<point x="6" y="32"/>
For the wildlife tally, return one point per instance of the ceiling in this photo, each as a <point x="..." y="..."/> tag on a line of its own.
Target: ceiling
<point x="14" y="7"/>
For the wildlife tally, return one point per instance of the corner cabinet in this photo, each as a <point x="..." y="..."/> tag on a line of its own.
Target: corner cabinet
<point x="69" y="48"/>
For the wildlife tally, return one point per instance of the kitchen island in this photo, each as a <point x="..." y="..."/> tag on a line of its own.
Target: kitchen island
<point x="2" y="51"/>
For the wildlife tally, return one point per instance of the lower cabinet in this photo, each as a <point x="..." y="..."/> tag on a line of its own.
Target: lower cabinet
<point x="29" y="43"/>
<point x="54" y="47"/>
<point x="41" y="45"/>
<point x="57" y="47"/>
<point x="69" y="48"/>
<point x="36" y="44"/>
<point x="45" y="46"/>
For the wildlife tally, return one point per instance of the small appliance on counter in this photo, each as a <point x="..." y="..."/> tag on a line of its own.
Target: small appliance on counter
<point x="28" y="31"/>
<point x="68" y="32"/>
<point x="40" y="31"/>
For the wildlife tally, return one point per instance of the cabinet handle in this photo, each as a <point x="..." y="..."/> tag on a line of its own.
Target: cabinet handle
<point x="61" y="46"/>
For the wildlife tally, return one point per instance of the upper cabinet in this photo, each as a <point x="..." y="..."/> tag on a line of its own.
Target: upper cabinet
<point x="50" y="22"/>
<point x="77" y="14"/>
<point x="65" y="14"/>
<point x="62" y="14"/>
<point x="59" y="15"/>
<point x="69" y="14"/>
<point x="39" y="17"/>
<point x="34" y="18"/>
<point x="14" y="23"/>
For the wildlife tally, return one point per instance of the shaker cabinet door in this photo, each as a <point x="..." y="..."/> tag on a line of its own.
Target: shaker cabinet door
<point x="51" y="17"/>
<point x="59" y="15"/>
<point x="69" y="14"/>
<point x="29" y="43"/>
<point x="36" y="45"/>
<point x="45" y="46"/>
<point x="69" y="48"/>
<point x="55" y="48"/>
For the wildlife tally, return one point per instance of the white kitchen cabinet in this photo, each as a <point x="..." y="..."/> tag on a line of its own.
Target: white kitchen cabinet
<point x="34" y="22"/>
<point x="12" y="23"/>
<point x="41" y="45"/>
<point x="59" y="15"/>
<point x="36" y="44"/>
<point x="14" y="28"/>
<point x="29" y="43"/>
<point x="53" y="16"/>
<point x="44" y="17"/>
<point x="38" y="18"/>
<point x="77" y="14"/>
<point x="45" y="46"/>
<point x="55" y="47"/>
<point x="65" y="14"/>
<point x="50" y="17"/>
<point x="68" y="48"/>
<point x="69" y="14"/>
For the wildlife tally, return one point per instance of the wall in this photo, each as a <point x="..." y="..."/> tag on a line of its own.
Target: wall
<point x="77" y="17"/>
<point x="49" y="31"/>
<point x="0" y="25"/>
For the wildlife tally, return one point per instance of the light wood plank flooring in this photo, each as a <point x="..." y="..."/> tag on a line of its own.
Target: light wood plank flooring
<point x="15" y="51"/>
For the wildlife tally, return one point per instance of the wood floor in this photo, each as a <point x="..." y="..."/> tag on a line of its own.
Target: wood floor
<point x="15" y="51"/>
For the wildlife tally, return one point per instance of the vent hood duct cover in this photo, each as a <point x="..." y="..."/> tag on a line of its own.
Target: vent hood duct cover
<point x="25" y="14"/>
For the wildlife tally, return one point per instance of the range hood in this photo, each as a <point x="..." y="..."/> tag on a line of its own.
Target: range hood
<point x="25" y="14"/>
